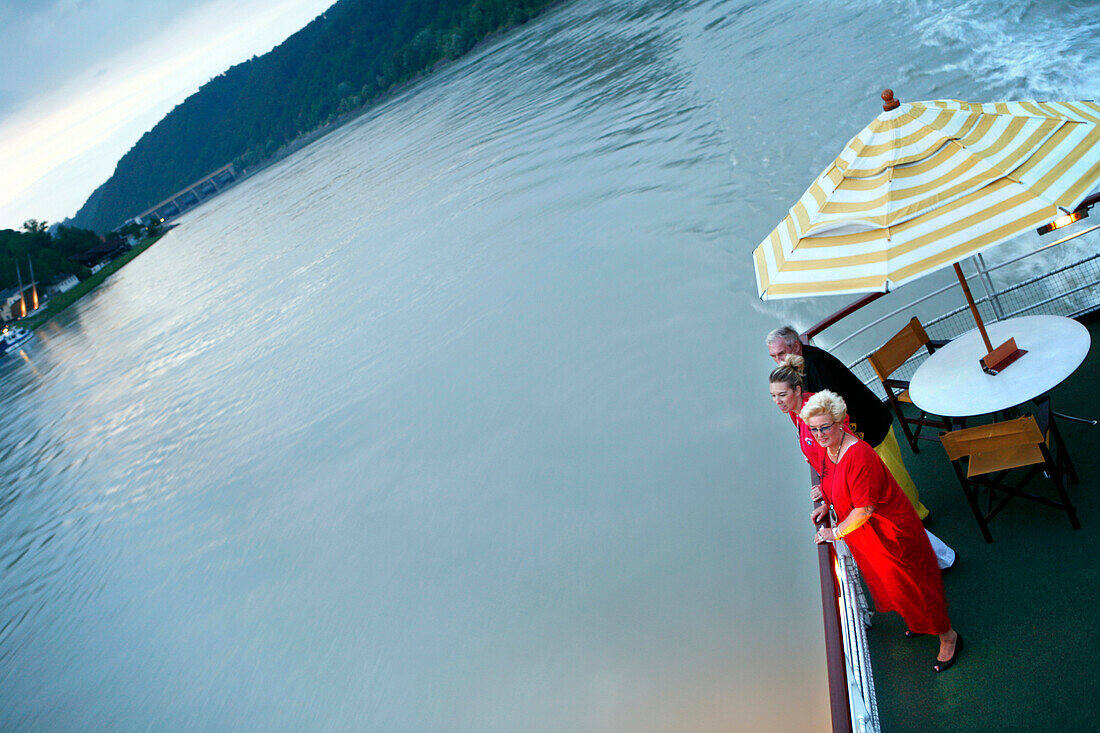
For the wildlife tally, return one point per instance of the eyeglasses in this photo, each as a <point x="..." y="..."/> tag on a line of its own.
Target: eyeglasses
<point x="823" y="429"/>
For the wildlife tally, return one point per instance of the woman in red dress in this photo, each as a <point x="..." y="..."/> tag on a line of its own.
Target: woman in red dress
<point x="880" y="527"/>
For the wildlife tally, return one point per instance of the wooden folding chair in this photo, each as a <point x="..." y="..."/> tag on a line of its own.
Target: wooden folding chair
<point x="887" y="360"/>
<point x="983" y="456"/>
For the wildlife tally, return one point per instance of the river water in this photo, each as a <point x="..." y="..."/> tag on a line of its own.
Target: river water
<point x="457" y="420"/>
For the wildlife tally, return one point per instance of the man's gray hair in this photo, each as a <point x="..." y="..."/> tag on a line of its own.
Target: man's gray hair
<point x="786" y="334"/>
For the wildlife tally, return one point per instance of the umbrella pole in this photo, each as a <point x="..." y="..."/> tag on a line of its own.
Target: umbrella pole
<point x="996" y="359"/>
<point x="973" y="307"/>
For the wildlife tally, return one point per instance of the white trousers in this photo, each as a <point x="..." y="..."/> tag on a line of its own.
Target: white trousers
<point x="945" y="556"/>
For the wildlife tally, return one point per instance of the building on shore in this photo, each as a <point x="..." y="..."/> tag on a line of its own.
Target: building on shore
<point x="15" y="302"/>
<point x="97" y="256"/>
<point x="62" y="283"/>
<point x="18" y="302"/>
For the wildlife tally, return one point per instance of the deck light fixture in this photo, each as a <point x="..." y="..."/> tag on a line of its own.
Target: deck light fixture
<point x="1063" y="221"/>
<point x="1077" y="214"/>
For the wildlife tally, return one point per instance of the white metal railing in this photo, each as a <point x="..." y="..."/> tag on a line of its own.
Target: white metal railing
<point x="855" y="619"/>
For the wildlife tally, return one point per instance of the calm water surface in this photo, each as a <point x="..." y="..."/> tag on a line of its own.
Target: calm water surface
<point x="457" y="419"/>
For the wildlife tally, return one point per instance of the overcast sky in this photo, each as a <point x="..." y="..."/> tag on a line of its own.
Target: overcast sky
<point x="82" y="80"/>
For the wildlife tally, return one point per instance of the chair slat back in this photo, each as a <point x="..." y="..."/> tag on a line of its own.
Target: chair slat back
<point x="1011" y="456"/>
<point x="1023" y="431"/>
<point x="898" y="349"/>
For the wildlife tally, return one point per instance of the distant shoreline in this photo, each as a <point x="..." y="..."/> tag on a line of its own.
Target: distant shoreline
<point x="61" y="301"/>
<point x="266" y="108"/>
<point x="388" y="95"/>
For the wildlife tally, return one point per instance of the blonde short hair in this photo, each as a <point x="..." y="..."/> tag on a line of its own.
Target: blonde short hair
<point x="824" y="403"/>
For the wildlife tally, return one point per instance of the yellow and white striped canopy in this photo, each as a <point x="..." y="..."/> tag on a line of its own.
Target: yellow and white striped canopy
<point x="927" y="184"/>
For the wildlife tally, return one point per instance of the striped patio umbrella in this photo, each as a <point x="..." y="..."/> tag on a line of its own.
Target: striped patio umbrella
<point x="927" y="184"/>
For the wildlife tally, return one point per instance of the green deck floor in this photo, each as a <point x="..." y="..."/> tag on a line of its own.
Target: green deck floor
<point x="1027" y="604"/>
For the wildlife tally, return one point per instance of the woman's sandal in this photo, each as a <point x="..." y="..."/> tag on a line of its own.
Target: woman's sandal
<point x="941" y="666"/>
<point x="911" y="634"/>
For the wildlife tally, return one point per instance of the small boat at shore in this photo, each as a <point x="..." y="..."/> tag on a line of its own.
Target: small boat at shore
<point x="13" y="338"/>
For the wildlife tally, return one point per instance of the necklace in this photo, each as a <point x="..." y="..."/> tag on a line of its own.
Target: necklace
<point x="835" y="455"/>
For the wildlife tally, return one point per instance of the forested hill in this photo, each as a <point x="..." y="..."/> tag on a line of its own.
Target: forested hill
<point x="343" y="60"/>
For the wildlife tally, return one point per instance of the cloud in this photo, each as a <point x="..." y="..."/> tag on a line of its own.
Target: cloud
<point x="42" y="47"/>
<point x="59" y="127"/>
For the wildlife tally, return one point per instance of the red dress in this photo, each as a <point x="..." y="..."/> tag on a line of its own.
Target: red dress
<point x="891" y="548"/>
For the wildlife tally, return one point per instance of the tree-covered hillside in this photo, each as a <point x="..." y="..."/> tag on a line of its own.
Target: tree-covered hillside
<point x="343" y="60"/>
<point x="47" y="254"/>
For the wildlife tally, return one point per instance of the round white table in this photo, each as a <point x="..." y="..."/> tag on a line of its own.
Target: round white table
<point x="951" y="382"/>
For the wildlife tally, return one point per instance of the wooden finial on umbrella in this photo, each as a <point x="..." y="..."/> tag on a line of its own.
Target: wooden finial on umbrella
<point x="888" y="101"/>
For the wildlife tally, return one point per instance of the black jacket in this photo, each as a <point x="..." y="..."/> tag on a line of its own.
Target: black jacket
<point x="870" y="417"/>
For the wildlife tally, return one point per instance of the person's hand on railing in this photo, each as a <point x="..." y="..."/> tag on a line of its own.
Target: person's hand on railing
<point x="815" y="493"/>
<point x="819" y="513"/>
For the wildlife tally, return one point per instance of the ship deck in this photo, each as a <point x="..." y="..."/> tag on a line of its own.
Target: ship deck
<point x="1025" y="604"/>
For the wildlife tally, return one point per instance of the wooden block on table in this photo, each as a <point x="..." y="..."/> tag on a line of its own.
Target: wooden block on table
<point x="995" y="361"/>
